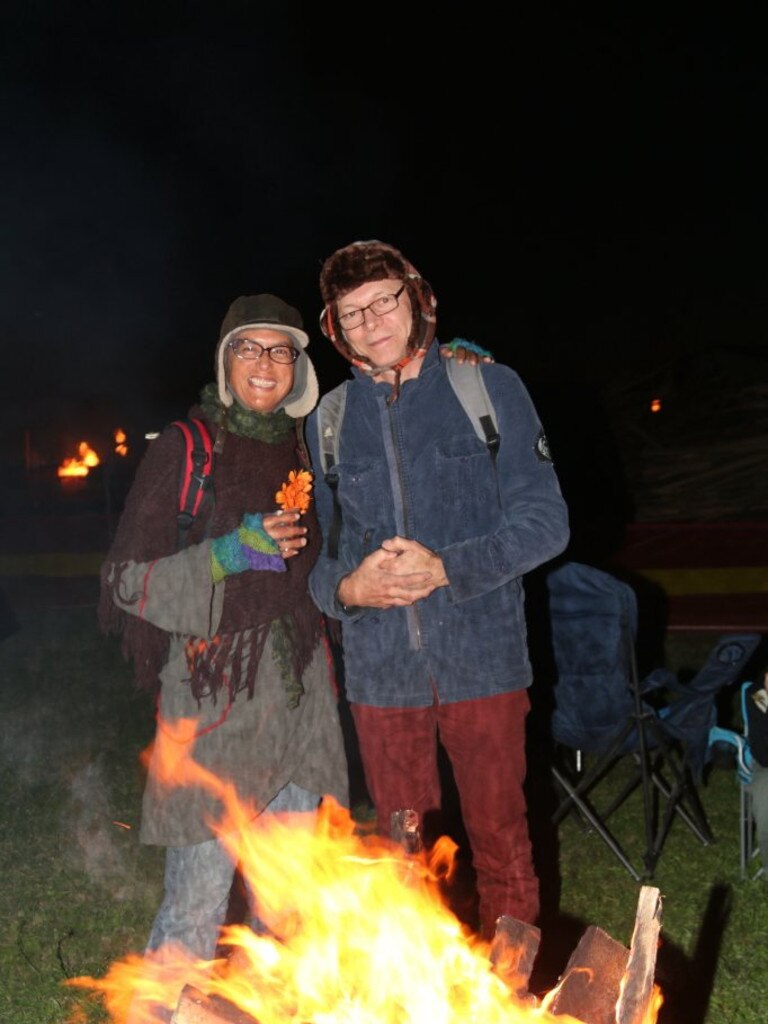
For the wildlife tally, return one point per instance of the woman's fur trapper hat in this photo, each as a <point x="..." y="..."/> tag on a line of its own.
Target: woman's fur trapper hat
<point x="359" y="263"/>
<point x="271" y="312"/>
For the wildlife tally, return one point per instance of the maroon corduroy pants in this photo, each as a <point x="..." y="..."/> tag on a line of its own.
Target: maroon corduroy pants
<point x="485" y="743"/>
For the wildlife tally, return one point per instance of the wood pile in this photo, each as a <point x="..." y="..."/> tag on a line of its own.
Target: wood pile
<point x="603" y="981"/>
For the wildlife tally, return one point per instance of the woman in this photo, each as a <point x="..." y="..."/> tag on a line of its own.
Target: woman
<point x="225" y="626"/>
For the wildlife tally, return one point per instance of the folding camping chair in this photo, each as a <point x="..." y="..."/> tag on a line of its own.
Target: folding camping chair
<point x="605" y="716"/>
<point x="744" y="764"/>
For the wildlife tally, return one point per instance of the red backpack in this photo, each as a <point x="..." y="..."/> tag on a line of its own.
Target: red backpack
<point x="196" y="471"/>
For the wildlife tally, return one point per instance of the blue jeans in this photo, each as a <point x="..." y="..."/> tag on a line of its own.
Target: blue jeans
<point x="198" y="880"/>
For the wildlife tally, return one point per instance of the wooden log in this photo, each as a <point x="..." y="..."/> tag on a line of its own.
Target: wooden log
<point x="591" y="982"/>
<point x="194" y="1007"/>
<point x="637" y="990"/>
<point x="513" y="952"/>
<point x="404" y="829"/>
<point x="604" y="982"/>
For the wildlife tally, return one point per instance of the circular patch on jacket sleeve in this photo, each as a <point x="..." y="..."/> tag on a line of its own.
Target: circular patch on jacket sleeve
<point x="541" y="447"/>
<point x="731" y="654"/>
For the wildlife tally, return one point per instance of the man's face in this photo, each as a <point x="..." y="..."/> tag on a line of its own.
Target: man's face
<point x="260" y="384"/>
<point x="383" y="339"/>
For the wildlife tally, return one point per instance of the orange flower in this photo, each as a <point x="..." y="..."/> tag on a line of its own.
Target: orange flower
<point x="295" y="491"/>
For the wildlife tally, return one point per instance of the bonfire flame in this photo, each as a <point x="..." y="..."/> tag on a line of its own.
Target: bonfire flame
<point x="357" y="932"/>
<point x="79" y="465"/>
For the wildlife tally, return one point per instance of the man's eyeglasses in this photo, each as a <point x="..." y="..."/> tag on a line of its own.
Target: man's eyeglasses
<point x="384" y="304"/>
<point x="249" y="350"/>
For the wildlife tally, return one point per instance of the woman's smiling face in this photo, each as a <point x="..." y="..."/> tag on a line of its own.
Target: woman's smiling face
<point x="260" y="384"/>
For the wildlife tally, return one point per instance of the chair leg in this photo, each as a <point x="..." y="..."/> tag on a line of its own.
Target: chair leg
<point x="575" y="798"/>
<point x="750" y="851"/>
<point x="746" y="827"/>
<point x="683" y="797"/>
<point x="685" y="789"/>
<point x="680" y="798"/>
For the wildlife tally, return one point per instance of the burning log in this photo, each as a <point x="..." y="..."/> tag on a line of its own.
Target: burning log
<point x="591" y="983"/>
<point x="405" y="830"/>
<point x="196" y="1008"/>
<point x="513" y="953"/>
<point x="638" y="988"/>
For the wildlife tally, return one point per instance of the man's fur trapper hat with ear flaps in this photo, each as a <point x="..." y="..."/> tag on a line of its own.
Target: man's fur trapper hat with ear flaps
<point x="271" y="312"/>
<point x="360" y="262"/>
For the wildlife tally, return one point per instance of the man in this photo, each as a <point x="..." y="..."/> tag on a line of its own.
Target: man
<point x="435" y="537"/>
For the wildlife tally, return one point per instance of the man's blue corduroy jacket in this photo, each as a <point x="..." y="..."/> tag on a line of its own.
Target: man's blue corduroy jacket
<point x="415" y="468"/>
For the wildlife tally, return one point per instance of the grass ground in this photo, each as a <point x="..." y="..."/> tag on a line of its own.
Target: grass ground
<point x="79" y="892"/>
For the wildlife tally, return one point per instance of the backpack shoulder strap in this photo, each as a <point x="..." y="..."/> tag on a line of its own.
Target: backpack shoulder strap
<point x="330" y="415"/>
<point x="302" y="451"/>
<point x="195" y="473"/>
<point x="467" y="381"/>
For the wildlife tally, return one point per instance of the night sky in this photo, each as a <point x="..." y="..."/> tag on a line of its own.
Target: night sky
<point x="585" y="191"/>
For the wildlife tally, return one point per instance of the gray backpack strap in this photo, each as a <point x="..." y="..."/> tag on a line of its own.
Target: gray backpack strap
<point x="467" y="381"/>
<point x="330" y="415"/>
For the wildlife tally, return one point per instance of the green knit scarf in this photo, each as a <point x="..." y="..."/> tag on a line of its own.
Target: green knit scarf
<point x="270" y="427"/>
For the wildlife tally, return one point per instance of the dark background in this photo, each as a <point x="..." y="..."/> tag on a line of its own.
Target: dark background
<point x="583" y="186"/>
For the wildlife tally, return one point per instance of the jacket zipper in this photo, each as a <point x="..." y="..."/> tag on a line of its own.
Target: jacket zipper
<point x="411" y="610"/>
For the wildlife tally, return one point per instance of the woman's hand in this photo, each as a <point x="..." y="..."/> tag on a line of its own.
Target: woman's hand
<point x="284" y="529"/>
<point x="466" y="352"/>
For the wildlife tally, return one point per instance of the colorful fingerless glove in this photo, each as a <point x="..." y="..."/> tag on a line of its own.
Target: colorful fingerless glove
<point x="247" y="547"/>
<point x="470" y="346"/>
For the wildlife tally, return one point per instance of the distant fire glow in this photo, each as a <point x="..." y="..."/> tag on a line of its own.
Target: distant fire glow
<point x="655" y="405"/>
<point x="121" y="447"/>
<point x="81" y="464"/>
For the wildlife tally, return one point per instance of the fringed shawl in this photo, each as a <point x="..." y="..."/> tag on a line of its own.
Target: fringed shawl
<point x="247" y="473"/>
